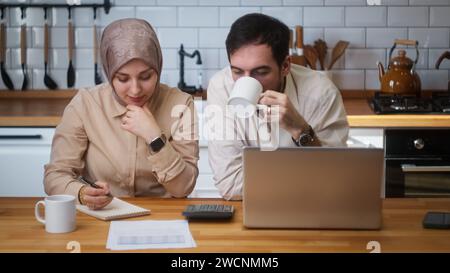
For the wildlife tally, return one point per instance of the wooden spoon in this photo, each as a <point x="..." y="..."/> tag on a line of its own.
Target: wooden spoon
<point x="321" y="48"/>
<point x="338" y="50"/>
<point x="311" y="56"/>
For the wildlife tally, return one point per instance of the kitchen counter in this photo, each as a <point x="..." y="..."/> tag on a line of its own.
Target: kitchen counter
<point x="33" y="108"/>
<point x="360" y="115"/>
<point x="44" y="108"/>
<point x="401" y="231"/>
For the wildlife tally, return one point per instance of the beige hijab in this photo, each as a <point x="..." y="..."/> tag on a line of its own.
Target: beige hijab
<point x="127" y="39"/>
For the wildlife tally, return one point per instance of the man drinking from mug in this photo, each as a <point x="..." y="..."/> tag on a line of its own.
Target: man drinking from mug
<point x="310" y="107"/>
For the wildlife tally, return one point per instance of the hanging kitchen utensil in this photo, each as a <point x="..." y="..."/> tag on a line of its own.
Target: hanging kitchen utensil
<point x="291" y="42"/>
<point x="321" y="48"/>
<point x="97" y="76"/>
<point x="337" y="52"/>
<point x="23" y="49"/>
<point x="299" y="58"/>
<point x="5" y="77"/>
<point x="311" y="56"/>
<point x="48" y="81"/>
<point x="70" y="70"/>
<point x="445" y="55"/>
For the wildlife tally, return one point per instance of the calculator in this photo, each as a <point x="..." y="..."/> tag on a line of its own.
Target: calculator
<point x="205" y="212"/>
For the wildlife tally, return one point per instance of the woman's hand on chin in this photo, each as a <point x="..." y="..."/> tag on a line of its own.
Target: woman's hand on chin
<point x="141" y="122"/>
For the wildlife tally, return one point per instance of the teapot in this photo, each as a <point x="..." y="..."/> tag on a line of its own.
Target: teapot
<point x="400" y="77"/>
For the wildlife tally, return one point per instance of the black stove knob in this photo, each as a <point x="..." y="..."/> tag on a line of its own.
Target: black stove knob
<point x="419" y="144"/>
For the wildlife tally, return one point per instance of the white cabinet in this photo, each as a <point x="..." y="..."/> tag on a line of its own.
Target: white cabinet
<point x="23" y="154"/>
<point x="204" y="187"/>
<point x="365" y="137"/>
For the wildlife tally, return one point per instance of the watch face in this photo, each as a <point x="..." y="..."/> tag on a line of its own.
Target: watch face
<point x="157" y="144"/>
<point x="305" y="139"/>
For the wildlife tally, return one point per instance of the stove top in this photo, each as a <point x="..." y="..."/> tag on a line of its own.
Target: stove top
<point x="439" y="103"/>
<point x="442" y="102"/>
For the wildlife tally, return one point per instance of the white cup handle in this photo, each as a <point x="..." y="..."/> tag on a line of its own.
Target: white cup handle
<point x="36" y="212"/>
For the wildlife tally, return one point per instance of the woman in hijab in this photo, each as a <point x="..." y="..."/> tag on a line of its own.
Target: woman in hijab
<point x="132" y="136"/>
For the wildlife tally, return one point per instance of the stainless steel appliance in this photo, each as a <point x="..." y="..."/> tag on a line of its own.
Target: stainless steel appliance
<point x="417" y="162"/>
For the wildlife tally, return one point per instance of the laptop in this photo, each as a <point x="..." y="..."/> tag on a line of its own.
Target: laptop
<point x="313" y="188"/>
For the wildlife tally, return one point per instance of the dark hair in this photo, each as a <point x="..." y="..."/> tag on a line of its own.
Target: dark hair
<point x="257" y="28"/>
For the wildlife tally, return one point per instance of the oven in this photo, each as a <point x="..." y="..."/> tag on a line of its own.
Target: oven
<point x="417" y="162"/>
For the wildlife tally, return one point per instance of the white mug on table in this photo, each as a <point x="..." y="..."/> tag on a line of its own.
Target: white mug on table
<point x="60" y="212"/>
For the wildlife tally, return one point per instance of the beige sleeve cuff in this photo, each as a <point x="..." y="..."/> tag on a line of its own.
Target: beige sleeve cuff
<point x="166" y="164"/>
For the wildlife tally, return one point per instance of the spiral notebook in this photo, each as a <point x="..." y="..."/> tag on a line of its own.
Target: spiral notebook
<point x="117" y="209"/>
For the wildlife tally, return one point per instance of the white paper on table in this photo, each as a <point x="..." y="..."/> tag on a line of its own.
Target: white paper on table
<point x="151" y="234"/>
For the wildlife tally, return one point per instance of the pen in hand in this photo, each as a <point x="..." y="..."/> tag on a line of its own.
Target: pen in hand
<point x="92" y="184"/>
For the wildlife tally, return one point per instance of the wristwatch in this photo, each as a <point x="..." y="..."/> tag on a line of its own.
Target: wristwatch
<point x="307" y="136"/>
<point x="157" y="144"/>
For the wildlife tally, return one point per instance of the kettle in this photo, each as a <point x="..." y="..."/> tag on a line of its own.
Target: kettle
<point x="400" y="77"/>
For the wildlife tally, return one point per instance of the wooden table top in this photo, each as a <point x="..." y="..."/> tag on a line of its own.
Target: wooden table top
<point x="401" y="232"/>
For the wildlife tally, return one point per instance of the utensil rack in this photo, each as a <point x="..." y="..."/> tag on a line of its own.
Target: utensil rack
<point x="106" y="5"/>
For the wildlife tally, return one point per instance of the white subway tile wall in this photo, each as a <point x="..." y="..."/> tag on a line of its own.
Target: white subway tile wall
<point x="229" y="14"/>
<point x="356" y="36"/>
<point x="312" y="34"/>
<point x="365" y="16"/>
<point x="383" y="37"/>
<point x="204" y="25"/>
<point x="159" y="16"/>
<point x="408" y="16"/>
<point x="323" y="17"/>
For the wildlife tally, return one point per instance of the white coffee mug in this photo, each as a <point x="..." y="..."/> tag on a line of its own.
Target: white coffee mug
<point x="243" y="101"/>
<point x="60" y="213"/>
<point x="244" y="96"/>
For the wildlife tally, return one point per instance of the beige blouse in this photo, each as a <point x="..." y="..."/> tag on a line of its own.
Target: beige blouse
<point x="89" y="141"/>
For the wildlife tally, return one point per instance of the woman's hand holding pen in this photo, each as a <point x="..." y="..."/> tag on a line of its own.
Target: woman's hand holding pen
<point x="141" y="122"/>
<point x="96" y="198"/>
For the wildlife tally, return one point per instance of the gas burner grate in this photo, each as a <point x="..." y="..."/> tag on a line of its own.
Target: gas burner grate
<point x="397" y="104"/>
<point x="441" y="100"/>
